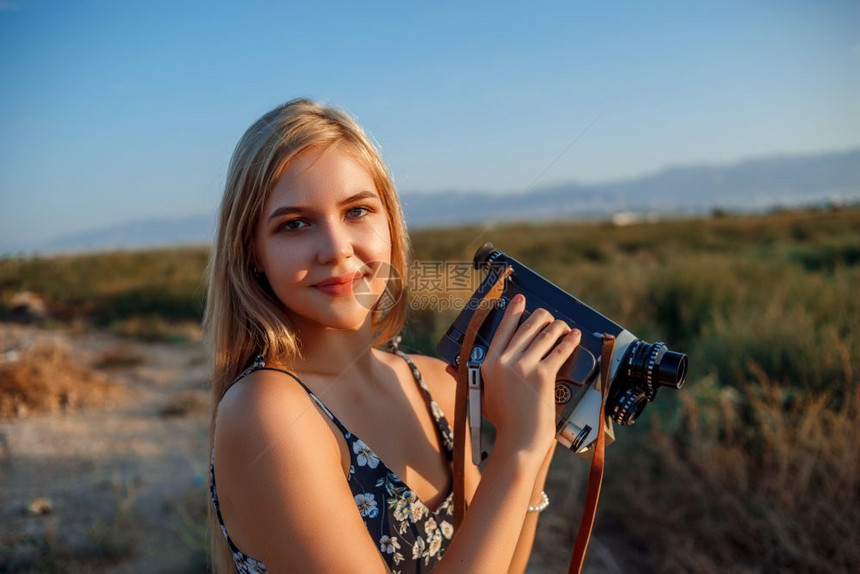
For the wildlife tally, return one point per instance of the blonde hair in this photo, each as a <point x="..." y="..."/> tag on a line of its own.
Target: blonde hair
<point x="243" y="318"/>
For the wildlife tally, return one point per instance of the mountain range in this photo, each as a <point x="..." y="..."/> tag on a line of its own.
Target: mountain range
<point x="747" y="186"/>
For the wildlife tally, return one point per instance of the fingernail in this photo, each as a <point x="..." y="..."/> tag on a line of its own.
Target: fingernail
<point x="518" y="298"/>
<point x="573" y="332"/>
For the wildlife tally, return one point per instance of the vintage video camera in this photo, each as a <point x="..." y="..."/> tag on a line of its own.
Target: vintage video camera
<point x="637" y="368"/>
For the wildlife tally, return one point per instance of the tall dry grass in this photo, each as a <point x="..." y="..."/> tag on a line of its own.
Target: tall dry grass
<point x="757" y="479"/>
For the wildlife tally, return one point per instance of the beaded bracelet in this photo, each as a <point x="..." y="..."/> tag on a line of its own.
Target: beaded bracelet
<point x="541" y="506"/>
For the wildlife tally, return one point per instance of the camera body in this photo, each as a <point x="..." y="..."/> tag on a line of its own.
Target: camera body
<point x="637" y="369"/>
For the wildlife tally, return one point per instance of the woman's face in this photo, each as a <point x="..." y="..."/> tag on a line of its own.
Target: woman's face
<point x="323" y="241"/>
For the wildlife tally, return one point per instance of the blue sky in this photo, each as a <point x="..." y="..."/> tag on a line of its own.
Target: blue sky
<point x="116" y="111"/>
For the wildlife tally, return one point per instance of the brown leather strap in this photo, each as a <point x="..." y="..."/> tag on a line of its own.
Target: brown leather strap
<point x="595" y="477"/>
<point x="478" y="318"/>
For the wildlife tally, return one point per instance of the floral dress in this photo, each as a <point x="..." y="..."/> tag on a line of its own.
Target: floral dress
<point x="410" y="536"/>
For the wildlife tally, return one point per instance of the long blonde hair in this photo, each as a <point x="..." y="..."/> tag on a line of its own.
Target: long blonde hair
<point x="242" y="317"/>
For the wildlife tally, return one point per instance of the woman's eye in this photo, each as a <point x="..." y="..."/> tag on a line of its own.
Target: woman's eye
<point x="291" y="225"/>
<point x="359" y="211"/>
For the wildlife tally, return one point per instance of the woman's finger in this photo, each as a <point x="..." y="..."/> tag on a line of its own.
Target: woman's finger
<point x="563" y="350"/>
<point x="544" y="340"/>
<point x="508" y="325"/>
<point x="529" y="329"/>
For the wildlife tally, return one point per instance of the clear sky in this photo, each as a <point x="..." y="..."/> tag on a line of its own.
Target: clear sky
<point x="116" y="111"/>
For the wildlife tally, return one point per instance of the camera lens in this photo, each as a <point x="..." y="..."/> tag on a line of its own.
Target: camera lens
<point x="647" y="367"/>
<point x="652" y="364"/>
<point x="625" y="405"/>
<point x="672" y="370"/>
<point x="482" y="256"/>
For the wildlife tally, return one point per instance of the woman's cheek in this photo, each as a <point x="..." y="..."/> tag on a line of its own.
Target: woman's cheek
<point x="380" y="240"/>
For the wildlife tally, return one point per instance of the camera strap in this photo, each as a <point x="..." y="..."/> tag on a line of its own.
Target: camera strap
<point x="595" y="475"/>
<point x="478" y="317"/>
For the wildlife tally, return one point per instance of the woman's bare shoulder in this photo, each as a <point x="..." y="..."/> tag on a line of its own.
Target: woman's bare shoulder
<point x="259" y="398"/>
<point x="264" y="409"/>
<point x="280" y="481"/>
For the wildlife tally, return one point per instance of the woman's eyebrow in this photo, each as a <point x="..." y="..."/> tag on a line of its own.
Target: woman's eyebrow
<point x="359" y="196"/>
<point x="285" y="210"/>
<point x="290" y="209"/>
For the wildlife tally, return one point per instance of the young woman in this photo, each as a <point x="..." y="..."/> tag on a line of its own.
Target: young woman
<point x="330" y="451"/>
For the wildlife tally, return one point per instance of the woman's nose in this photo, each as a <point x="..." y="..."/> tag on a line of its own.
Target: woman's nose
<point x="335" y="242"/>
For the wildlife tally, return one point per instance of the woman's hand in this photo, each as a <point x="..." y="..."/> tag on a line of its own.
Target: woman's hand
<point x="519" y="374"/>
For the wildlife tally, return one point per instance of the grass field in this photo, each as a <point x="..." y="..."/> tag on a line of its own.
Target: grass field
<point x="752" y="467"/>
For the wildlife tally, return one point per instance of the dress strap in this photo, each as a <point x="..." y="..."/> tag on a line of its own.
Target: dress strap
<point x="213" y="494"/>
<point x="259" y="363"/>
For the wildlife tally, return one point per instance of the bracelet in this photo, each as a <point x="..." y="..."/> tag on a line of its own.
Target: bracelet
<point x="541" y="506"/>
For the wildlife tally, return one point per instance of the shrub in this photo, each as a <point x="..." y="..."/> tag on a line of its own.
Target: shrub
<point x="48" y="378"/>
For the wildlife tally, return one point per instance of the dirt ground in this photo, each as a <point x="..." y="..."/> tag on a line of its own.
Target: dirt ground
<point x="116" y="488"/>
<point x="122" y="487"/>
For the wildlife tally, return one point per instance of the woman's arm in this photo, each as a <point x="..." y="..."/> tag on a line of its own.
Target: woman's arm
<point x="441" y="379"/>
<point x="527" y="536"/>
<point x="491" y="528"/>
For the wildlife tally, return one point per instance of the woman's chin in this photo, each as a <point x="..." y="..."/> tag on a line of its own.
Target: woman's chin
<point x="354" y="321"/>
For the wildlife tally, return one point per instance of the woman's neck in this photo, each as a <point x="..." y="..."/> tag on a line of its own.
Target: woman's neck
<point x="333" y="352"/>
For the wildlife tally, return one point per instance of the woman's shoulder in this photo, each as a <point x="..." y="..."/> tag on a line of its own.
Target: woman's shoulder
<point x="260" y="392"/>
<point x="260" y="407"/>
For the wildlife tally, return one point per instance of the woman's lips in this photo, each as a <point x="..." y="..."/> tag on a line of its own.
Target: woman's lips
<point x="339" y="285"/>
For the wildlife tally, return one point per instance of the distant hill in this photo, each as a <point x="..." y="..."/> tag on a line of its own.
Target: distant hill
<point x="141" y="233"/>
<point x="752" y="185"/>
